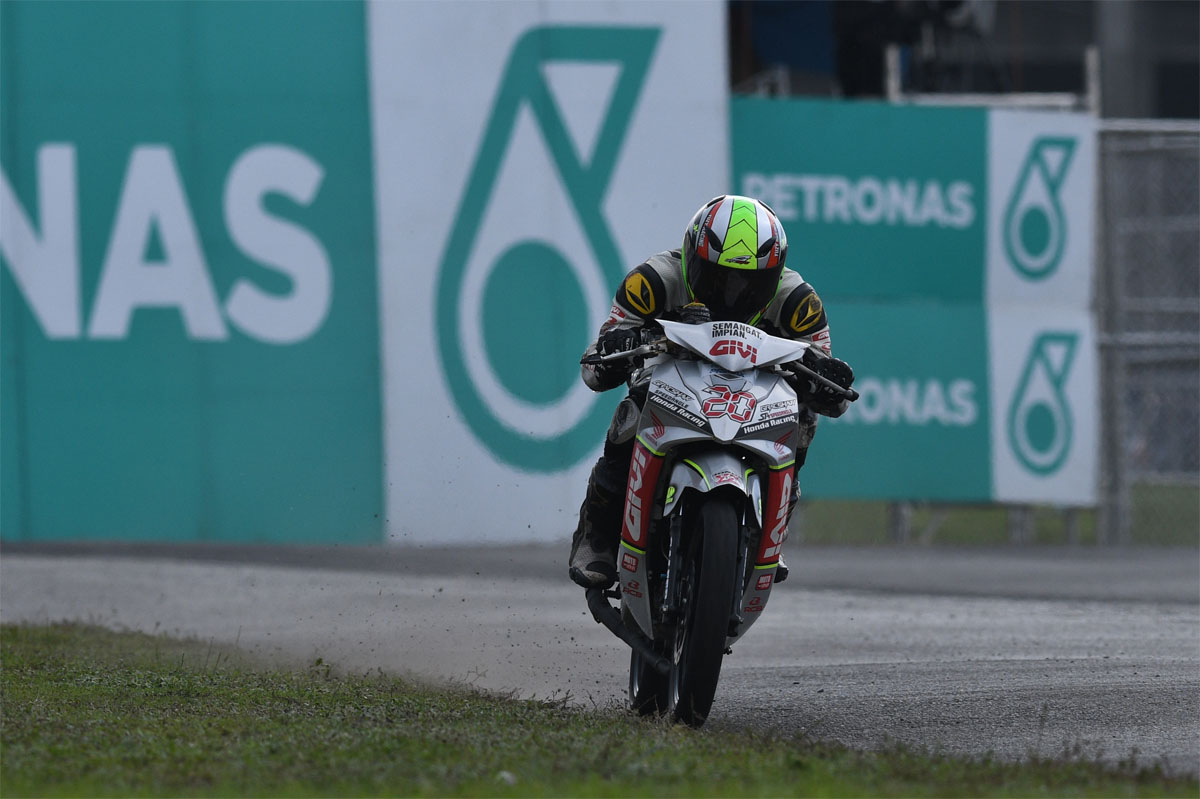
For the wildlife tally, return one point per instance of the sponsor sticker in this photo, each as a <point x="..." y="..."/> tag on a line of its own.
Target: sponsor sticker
<point x="725" y="476"/>
<point x="666" y="388"/>
<point x="679" y="411"/>
<point x="758" y="427"/>
<point x="736" y="330"/>
<point x="735" y="347"/>
<point x="773" y="409"/>
<point x="658" y="429"/>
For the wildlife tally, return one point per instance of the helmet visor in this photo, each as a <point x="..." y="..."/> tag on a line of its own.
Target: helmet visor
<point x="733" y="295"/>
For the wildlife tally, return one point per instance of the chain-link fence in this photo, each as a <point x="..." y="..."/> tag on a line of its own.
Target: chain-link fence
<point x="1149" y="307"/>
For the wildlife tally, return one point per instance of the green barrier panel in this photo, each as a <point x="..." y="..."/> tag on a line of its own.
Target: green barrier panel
<point x="878" y="202"/>
<point x="189" y="303"/>
<point x="920" y="426"/>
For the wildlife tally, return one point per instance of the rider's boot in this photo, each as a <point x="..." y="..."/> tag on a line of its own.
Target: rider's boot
<point x="593" y="561"/>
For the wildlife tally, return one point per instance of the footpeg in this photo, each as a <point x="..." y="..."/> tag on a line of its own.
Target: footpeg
<point x="781" y="571"/>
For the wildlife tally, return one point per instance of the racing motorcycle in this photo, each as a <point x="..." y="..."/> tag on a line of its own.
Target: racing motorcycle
<point x="716" y="422"/>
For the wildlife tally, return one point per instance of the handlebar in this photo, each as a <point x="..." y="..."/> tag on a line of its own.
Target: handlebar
<point x="659" y="345"/>
<point x="650" y="348"/>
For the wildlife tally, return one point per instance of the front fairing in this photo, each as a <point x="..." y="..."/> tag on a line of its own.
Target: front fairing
<point x="689" y="401"/>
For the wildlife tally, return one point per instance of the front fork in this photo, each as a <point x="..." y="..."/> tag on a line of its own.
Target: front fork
<point x="671" y="609"/>
<point x="735" y="615"/>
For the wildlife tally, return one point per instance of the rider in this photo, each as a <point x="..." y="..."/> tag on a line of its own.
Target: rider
<point x="732" y="261"/>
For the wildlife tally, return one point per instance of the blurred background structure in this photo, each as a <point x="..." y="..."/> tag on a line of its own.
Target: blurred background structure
<point x="837" y="48"/>
<point x="1137" y="66"/>
<point x="215" y="326"/>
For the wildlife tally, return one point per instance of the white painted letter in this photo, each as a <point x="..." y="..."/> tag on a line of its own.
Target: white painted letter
<point x="46" y="270"/>
<point x="869" y="201"/>
<point x="274" y="242"/>
<point x="810" y="185"/>
<point x="962" y="212"/>
<point x="902" y="202"/>
<point x="153" y="196"/>
<point x="837" y="199"/>
<point x="933" y="209"/>
<point x="962" y="398"/>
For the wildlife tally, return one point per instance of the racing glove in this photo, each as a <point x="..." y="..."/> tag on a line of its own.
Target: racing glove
<point x="610" y="343"/>
<point x="619" y="340"/>
<point x="695" y="313"/>
<point x="819" y="397"/>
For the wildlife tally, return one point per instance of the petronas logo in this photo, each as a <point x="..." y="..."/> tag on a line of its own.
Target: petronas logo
<point x="519" y="394"/>
<point x="1039" y="416"/>
<point x="1035" y="227"/>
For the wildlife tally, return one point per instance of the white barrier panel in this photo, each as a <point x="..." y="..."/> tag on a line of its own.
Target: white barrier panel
<point x="526" y="156"/>
<point x="1041" y="329"/>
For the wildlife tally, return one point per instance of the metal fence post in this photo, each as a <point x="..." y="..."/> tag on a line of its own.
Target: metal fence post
<point x="900" y="522"/>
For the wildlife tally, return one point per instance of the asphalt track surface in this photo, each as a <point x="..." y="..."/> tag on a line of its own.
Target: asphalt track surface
<point x="1004" y="651"/>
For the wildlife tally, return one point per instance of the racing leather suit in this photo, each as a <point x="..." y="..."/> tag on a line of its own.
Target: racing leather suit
<point x="654" y="290"/>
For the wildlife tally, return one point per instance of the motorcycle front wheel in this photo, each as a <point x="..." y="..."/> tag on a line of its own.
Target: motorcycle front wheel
<point x="707" y="586"/>
<point x="647" y="688"/>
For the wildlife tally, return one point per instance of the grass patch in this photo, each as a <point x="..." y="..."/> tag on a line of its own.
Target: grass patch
<point x="87" y="712"/>
<point x="1160" y="515"/>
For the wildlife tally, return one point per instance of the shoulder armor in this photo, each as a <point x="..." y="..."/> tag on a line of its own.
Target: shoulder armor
<point x="642" y="292"/>
<point x="802" y="313"/>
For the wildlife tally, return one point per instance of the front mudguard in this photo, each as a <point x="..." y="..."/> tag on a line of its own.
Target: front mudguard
<point x="703" y="472"/>
<point x="709" y="470"/>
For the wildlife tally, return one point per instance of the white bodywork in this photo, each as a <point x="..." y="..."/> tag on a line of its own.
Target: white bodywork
<point x="723" y="421"/>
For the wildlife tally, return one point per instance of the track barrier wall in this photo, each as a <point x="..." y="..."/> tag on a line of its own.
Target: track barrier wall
<point x="331" y="285"/>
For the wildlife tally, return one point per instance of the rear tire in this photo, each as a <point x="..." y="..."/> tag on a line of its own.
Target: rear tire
<point x="708" y="587"/>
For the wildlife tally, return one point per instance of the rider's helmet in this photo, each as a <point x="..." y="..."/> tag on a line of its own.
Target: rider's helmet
<point x="733" y="255"/>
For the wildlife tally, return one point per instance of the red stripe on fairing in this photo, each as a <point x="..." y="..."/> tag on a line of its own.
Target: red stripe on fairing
<point x="639" y="495"/>
<point x="779" y="490"/>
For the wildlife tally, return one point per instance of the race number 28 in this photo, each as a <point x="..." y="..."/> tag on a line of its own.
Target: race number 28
<point x="737" y="405"/>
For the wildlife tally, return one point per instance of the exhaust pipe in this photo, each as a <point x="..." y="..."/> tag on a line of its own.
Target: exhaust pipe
<point x="610" y="617"/>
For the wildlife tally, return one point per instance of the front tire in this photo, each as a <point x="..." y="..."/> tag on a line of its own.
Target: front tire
<point x="710" y="579"/>
<point x="647" y="688"/>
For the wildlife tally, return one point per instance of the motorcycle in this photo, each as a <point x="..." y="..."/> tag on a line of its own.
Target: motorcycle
<point x="706" y="505"/>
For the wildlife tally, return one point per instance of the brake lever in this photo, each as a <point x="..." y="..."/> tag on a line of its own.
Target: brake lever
<point x="649" y="348"/>
<point x="796" y="367"/>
